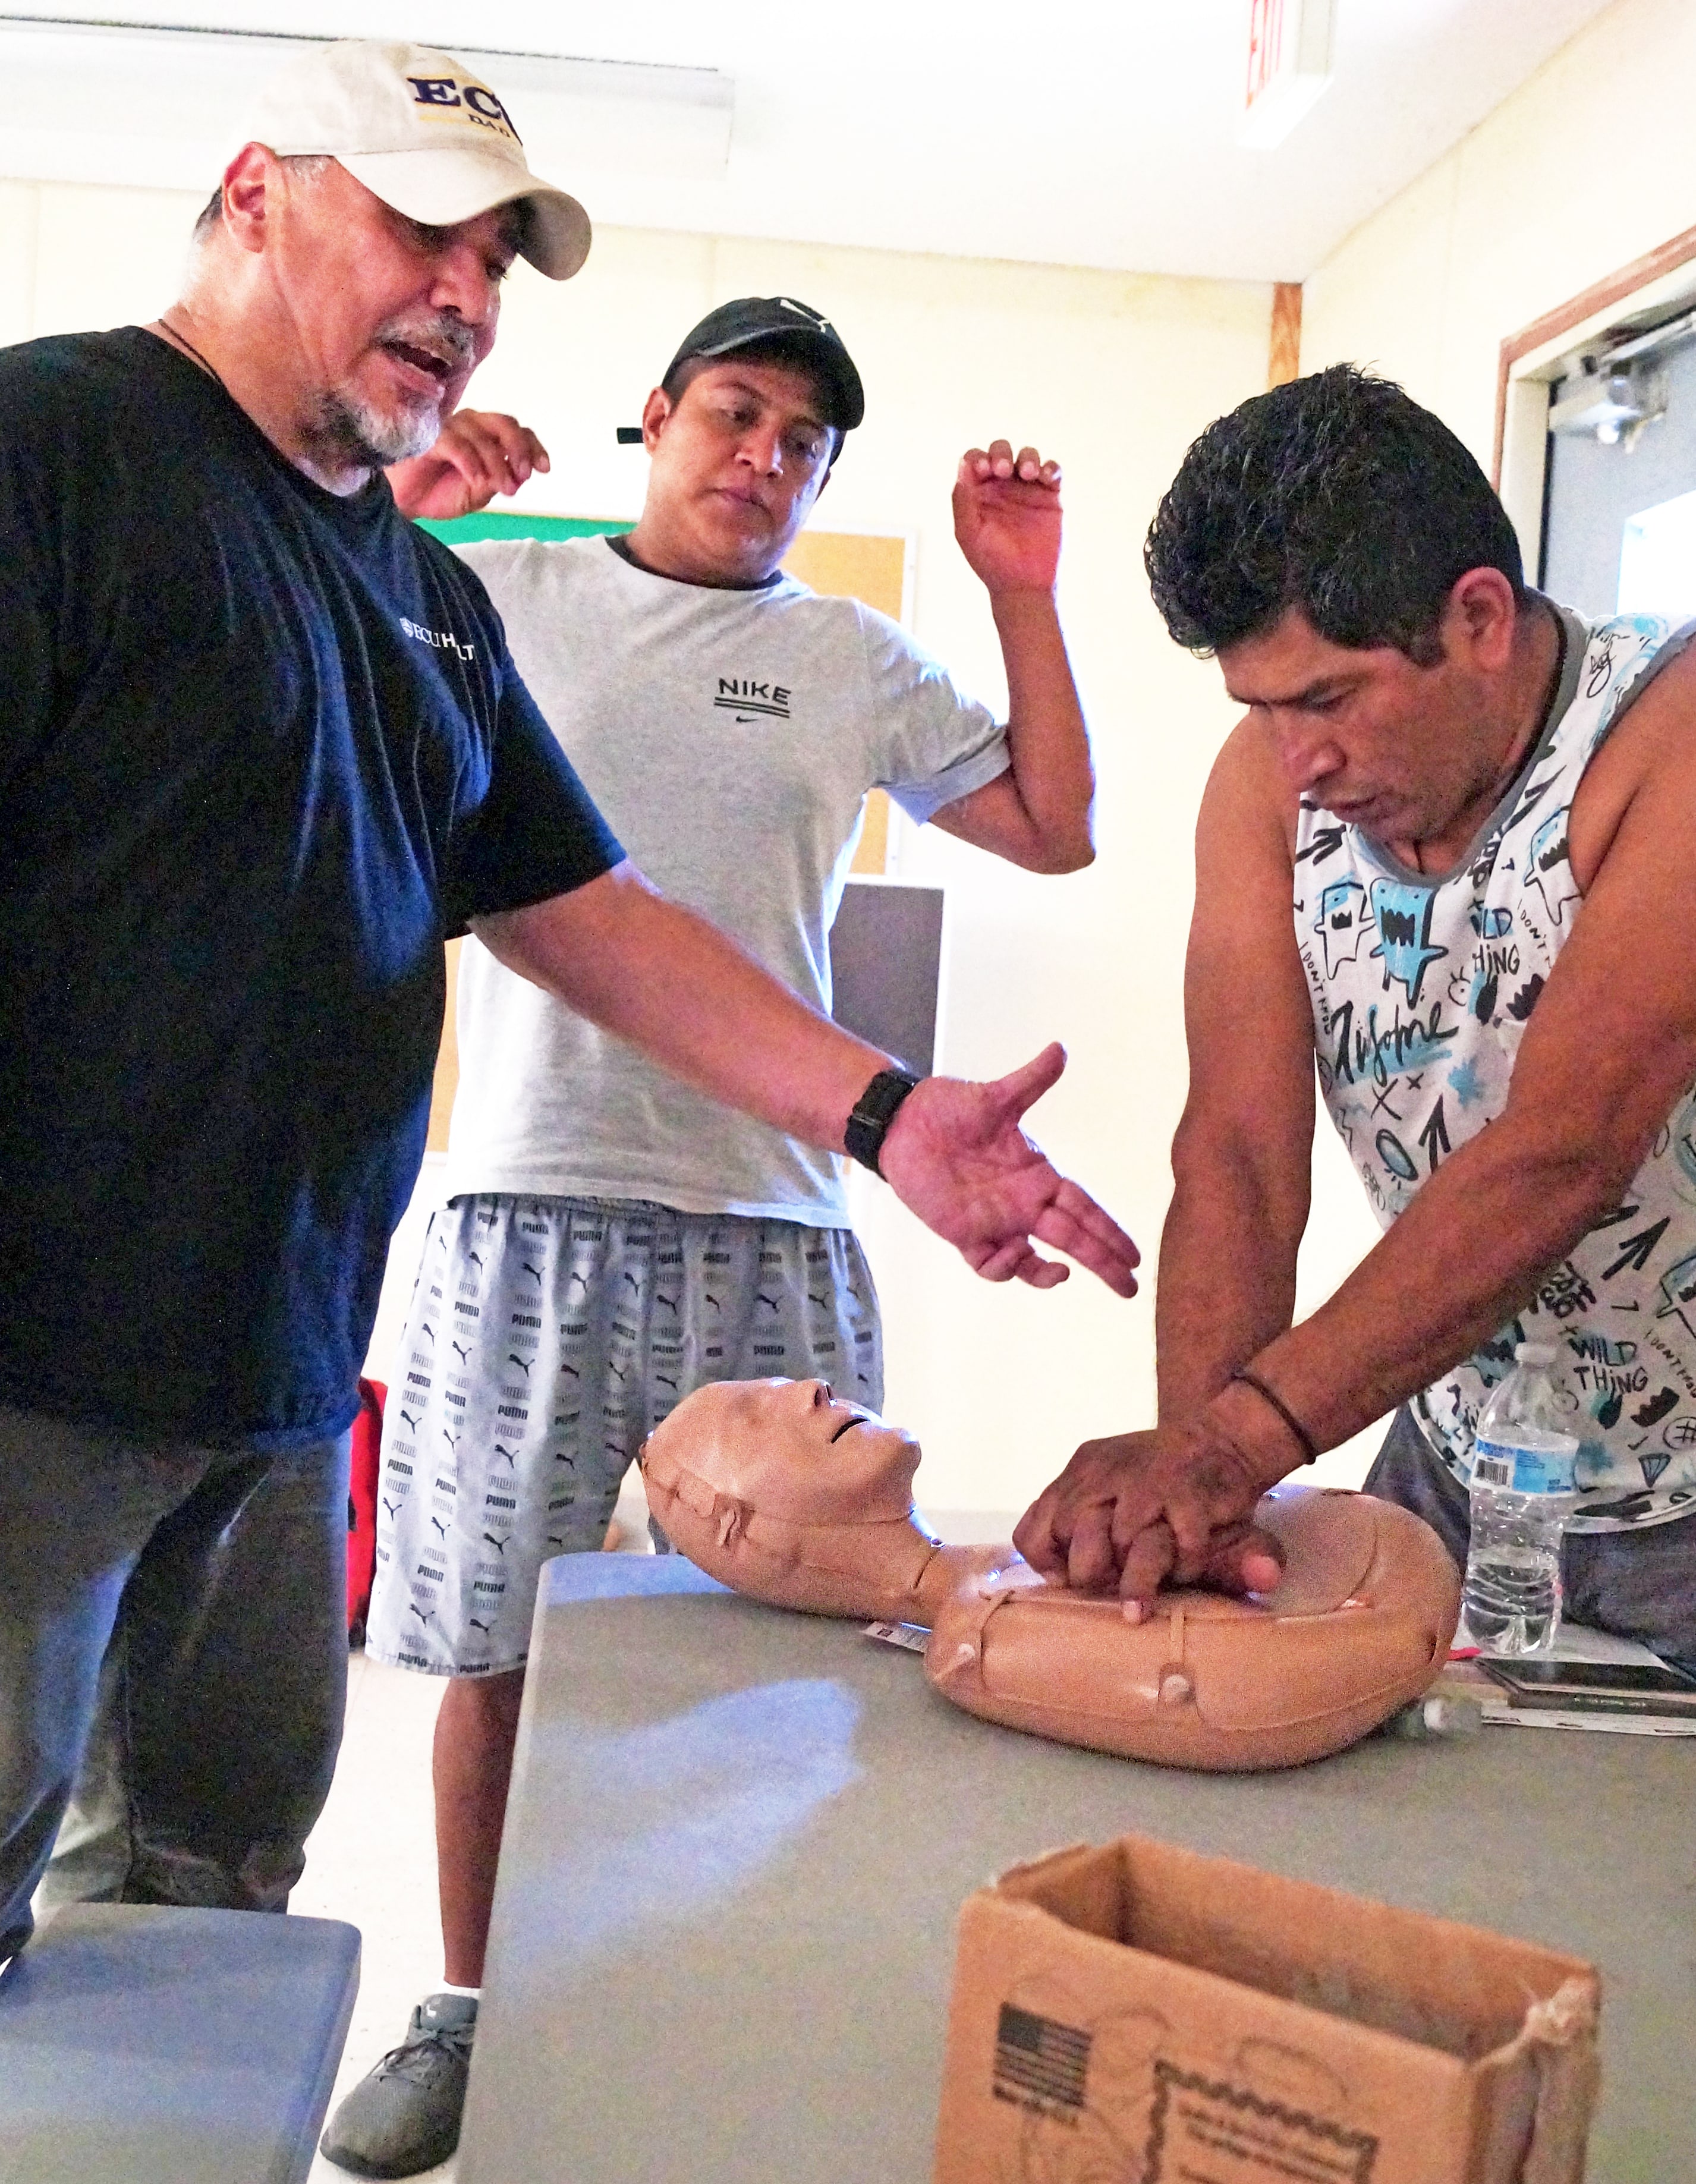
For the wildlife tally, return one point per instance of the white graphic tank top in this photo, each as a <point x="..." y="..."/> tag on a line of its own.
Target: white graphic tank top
<point x="1421" y="988"/>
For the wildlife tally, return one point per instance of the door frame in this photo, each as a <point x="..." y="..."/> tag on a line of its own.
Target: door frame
<point x="1526" y="371"/>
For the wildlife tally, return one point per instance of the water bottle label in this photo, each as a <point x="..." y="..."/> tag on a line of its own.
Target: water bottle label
<point x="1524" y="1470"/>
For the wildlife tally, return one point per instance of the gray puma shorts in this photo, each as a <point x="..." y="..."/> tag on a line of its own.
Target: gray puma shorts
<point x="546" y="1339"/>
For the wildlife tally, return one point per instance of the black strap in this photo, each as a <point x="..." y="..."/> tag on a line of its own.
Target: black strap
<point x="873" y="1112"/>
<point x="1303" y="1437"/>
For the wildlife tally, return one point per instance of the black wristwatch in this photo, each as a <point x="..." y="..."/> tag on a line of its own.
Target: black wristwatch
<point x="874" y="1110"/>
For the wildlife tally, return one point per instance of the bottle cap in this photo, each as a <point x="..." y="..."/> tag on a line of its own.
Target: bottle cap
<point x="1535" y="1353"/>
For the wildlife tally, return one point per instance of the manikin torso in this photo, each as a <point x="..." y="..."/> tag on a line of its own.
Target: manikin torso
<point x="783" y="1492"/>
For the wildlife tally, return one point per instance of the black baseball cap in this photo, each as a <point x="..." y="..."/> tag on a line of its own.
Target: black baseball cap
<point x="760" y="318"/>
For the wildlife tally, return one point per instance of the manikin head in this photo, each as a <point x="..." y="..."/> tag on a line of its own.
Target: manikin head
<point x="783" y="1492"/>
<point x="780" y="1490"/>
<point x="347" y="274"/>
<point x="743" y="431"/>
<point x="794" y="1449"/>
<point x="1340" y="551"/>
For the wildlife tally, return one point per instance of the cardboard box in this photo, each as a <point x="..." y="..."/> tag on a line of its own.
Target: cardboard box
<point x="1137" y="2014"/>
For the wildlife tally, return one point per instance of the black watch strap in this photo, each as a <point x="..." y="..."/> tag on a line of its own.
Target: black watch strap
<point x="873" y="1112"/>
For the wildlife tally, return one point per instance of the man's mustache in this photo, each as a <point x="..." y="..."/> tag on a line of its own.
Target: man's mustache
<point x="448" y="338"/>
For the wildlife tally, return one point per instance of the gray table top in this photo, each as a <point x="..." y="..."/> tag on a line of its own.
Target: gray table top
<point x="738" y="1840"/>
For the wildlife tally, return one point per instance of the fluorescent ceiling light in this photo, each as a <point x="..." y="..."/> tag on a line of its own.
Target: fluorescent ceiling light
<point x="159" y="104"/>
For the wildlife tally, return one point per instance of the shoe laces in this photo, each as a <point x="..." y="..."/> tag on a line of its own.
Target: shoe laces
<point x="421" y="2053"/>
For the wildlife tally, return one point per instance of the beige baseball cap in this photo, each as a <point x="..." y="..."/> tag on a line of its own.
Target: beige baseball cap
<point x="422" y="132"/>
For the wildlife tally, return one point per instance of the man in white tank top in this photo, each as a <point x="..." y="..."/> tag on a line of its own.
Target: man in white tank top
<point x="1440" y="869"/>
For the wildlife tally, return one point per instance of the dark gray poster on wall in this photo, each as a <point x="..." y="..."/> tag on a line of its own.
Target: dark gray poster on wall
<point x="886" y="966"/>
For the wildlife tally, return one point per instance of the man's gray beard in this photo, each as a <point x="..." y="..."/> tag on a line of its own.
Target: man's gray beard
<point x="364" y="437"/>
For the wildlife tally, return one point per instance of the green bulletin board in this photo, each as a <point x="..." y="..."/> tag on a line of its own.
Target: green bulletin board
<point x="492" y="523"/>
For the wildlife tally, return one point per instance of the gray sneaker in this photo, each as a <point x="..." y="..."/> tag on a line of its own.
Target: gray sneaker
<point x="404" y="2116"/>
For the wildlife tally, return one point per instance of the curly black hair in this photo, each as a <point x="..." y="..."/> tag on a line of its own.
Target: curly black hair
<point x="1336" y="493"/>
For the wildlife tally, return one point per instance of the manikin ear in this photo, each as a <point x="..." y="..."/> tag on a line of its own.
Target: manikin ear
<point x="655" y="409"/>
<point x="1480" y="621"/>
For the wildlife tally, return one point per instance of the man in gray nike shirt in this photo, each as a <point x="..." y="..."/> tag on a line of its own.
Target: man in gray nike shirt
<point x="614" y="1237"/>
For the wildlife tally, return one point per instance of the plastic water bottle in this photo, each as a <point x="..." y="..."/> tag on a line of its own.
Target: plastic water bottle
<point x="1523" y="1492"/>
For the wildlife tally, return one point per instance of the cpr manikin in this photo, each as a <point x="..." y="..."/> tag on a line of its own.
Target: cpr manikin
<point x="781" y="1491"/>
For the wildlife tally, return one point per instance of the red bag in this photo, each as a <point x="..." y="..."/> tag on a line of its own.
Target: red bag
<point x="362" y="1476"/>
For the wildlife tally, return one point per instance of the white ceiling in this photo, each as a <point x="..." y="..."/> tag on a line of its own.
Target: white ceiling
<point x="1092" y="132"/>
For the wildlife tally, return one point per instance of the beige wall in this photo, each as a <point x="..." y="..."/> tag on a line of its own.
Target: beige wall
<point x="1115" y="374"/>
<point x="1587" y="166"/>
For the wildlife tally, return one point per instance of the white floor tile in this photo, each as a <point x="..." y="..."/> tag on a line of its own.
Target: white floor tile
<point x="372" y="1860"/>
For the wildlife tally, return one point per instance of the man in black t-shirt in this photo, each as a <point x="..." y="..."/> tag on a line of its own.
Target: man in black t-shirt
<point x="263" y="747"/>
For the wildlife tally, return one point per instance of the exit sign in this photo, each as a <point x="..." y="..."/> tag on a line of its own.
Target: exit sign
<point x="1289" y="65"/>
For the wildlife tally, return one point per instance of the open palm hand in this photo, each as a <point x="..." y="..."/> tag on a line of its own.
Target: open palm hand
<point x="955" y="1153"/>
